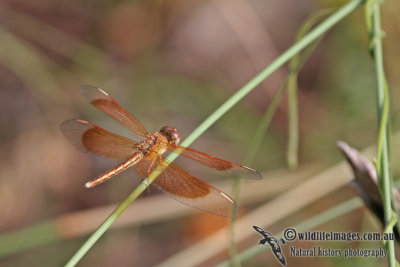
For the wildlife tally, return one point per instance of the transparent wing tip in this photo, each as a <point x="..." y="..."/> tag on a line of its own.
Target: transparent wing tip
<point x="91" y="92"/>
<point x="251" y="173"/>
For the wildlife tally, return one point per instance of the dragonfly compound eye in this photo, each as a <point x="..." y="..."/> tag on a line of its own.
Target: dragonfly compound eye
<point x="171" y="133"/>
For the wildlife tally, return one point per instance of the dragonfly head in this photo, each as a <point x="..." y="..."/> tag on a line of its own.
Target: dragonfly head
<point x="171" y="134"/>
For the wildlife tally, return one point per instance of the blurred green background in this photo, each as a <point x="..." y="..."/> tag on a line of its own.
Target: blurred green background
<point x="172" y="63"/>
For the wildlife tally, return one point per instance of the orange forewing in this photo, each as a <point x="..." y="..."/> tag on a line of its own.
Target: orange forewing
<point x="102" y="101"/>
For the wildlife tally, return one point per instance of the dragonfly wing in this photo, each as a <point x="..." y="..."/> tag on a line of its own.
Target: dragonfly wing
<point x="102" y="101"/>
<point x="186" y="188"/>
<point x="88" y="137"/>
<point x="217" y="163"/>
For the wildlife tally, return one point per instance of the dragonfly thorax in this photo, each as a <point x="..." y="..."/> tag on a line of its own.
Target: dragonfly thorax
<point x="153" y="143"/>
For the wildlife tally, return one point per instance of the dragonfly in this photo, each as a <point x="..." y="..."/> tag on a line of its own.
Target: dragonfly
<point x="147" y="154"/>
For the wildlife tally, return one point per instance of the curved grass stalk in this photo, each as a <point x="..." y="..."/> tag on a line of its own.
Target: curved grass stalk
<point x="389" y="226"/>
<point x="372" y="13"/>
<point x="294" y="67"/>
<point x="233" y="100"/>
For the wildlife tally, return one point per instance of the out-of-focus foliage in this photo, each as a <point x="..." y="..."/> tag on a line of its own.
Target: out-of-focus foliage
<point x="169" y="63"/>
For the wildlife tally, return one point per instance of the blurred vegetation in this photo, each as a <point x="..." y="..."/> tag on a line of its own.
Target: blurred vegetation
<point x="173" y="63"/>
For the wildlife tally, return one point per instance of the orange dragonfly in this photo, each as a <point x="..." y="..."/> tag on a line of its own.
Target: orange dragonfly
<point x="147" y="155"/>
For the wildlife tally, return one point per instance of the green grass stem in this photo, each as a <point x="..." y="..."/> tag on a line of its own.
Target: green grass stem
<point x="383" y="158"/>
